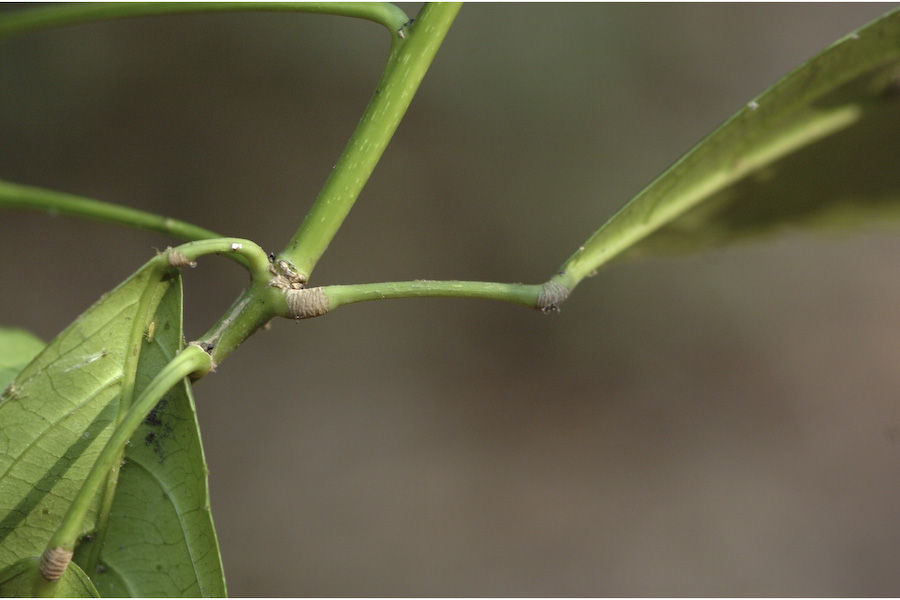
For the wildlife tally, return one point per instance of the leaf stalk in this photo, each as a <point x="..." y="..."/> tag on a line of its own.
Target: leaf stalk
<point x="189" y="361"/>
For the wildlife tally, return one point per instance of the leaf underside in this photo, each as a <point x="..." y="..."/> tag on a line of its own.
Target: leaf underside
<point x="160" y="540"/>
<point x="820" y="148"/>
<point x="58" y="413"/>
<point x="56" y="416"/>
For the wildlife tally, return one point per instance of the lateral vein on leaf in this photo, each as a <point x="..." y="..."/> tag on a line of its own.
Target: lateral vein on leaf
<point x="60" y="355"/>
<point x="53" y="425"/>
<point x="179" y="514"/>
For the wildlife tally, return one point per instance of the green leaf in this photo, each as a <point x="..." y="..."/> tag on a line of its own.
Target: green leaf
<point x="17" y="349"/>
<point x="159" y="539"/>
<point x="23" y="579"/>
<point x="57" y="414"/>
<point x="150" y="532"/>
<point x="819" y="148"/>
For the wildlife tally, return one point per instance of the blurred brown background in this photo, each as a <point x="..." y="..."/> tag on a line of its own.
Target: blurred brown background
<point x="725" y="424"/>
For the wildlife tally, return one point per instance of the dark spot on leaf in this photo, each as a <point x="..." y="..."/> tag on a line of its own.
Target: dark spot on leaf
<point x="154" y="417"/>
<point x="162" y="431"/>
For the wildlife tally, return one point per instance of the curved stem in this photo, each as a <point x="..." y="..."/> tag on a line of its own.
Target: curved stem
<point x="24" y="21"/>
<point x="190" y="360"/>
<point x="14" y="195"/>
<point x="257" y="261"/>
<point x="406" y="66"/>
<point x="254" y="307"/>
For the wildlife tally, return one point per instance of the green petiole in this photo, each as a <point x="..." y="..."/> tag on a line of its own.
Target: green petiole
<point x="62" y="543"/>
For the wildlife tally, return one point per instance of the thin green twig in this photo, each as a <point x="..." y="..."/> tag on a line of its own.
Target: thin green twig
<point x="256" y="259"/>
<point x="14" y="195"/>
<point x="314" y="302"/>
<point x="35" y="19"/>
<point x="517" y="293"/>
<point x="402" y="75"/>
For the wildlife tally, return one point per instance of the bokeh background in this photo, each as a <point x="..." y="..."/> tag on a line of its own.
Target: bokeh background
<point x="720" y="424"/>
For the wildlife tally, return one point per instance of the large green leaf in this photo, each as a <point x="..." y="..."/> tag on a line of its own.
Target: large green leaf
<point x="57" y="414"/>
<point x="159" y="540"/>
<point x="155" y="536"/>
<point x="821" y="147"/>
<point x="23" y="579"/>
<point x="17" y="349"/>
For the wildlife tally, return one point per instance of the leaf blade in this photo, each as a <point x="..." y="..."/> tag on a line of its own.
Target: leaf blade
<point x="160" y="540"/>
<point x="56" y="416"/>
<point x="845" y="86"/>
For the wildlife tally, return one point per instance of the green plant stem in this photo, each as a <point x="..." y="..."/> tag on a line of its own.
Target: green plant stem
<point x="24" y="21"/>
<point x="153" y="293"/>
<point x="14" y="195"/>
<point x="257" y="261"/>
<point x="517" y="293"/>
<point x="190" y="360"/>
<point x="411" y="54"/>
<point x="406" y="66"/>
<point x="255" y="307"/>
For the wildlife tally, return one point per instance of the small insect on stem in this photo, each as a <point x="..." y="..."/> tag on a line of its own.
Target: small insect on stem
<point x="151" y="330"/>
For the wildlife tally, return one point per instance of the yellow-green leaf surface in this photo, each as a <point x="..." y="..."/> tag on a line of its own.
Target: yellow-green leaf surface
<point x="56" y="415"/>
<point x="821" y="147"/>
<point x="159" y="540"/>
<point x="23" y="579"/>
<point x="17" y="349"/>
<point x="155" y="536"/>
